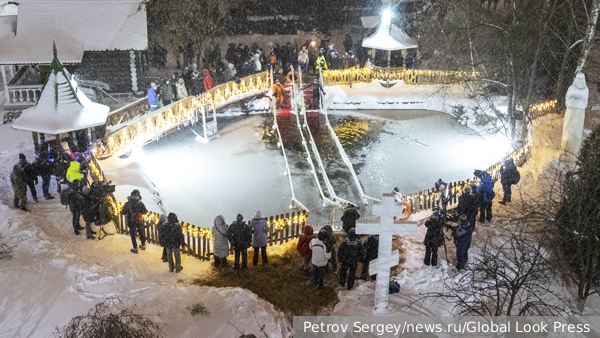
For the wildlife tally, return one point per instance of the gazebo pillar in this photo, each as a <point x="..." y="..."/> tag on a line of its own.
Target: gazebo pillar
<point x="36" y="143"/>
<point x="404" y="55"/>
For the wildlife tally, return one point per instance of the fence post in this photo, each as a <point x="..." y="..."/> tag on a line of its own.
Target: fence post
<point x="193" y="241"/>
<point x="271" y="233"/>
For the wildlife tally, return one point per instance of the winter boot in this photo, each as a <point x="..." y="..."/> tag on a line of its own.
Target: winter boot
<point x="179" y="269"/>
<point x="134" y="251"/>
<point x="76" y="232"/>
<point x="143" y="247"/>
<point x="91" y="237"/>
<point x="503" y="202"/>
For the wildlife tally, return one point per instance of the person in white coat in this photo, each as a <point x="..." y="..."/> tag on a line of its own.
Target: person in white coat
<point x="303" y="60"/>
<point x="257" y="65"/>
<point x="320" y="256"/>
<point x="181" y="91"/>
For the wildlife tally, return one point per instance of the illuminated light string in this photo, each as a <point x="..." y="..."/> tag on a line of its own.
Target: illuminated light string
<point x="172" y="116"/>
<point x="410" y="76"/>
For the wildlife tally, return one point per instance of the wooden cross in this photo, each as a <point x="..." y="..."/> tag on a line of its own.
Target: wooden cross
<point x="386" y="228"/>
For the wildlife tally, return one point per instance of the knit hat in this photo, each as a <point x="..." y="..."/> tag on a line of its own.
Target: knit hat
<point x="22" y="156"/>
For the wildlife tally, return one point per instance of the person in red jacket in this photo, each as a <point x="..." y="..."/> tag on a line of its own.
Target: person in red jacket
<point x="209" y="82"/>
<point x="304" y="248"/>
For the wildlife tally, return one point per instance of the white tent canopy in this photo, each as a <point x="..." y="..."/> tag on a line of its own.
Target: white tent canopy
<point x="389" y="36"/>
<point x="62" y="106"/>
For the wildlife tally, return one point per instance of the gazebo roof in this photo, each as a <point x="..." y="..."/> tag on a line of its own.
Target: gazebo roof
<point x="62" y="106"/>
<point x="389" y="36"/>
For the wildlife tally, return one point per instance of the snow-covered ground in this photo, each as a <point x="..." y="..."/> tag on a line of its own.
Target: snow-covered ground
<point x="56" y="275"/>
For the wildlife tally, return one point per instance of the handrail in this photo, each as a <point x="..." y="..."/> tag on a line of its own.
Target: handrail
<point x="287" y="167"/>
<point x="343" y="154"/>
<point x="127" y="106"/>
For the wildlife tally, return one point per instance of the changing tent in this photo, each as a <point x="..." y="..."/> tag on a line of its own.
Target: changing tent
<point x="62" y="106"/>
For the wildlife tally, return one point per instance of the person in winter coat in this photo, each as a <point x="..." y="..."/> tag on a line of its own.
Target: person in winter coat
<point x="257" y="64"/>
<point x="348" y="43"/>
<point x="163" y="228"/>
<point x="239" y="235"/>
<point x="89" y="212"/>
<point x="273" y="62"/>
<point x="73" y="172"/>
<point x="293" y="57"/>
<point x="134" y="209"/>
<point x="221" y="251"/>
<point x="76" y="205"/>
<point x="462" y="241"/>
<point x="209" y="82"/>
<point x="433" y="239"/>
<point x="29" y="175"/>
<point x="509" y="175"/>
<point x="321" y="62"/>
<point x="485" y="195"/>
<point x="303" y="246"/>
<point x="313" y="54"/>
<point x="181" y="91"/>
<point x="19" y="187"/>
<point x="368" y="63"/>
<point x="320" y="257"/>
<point x="173" y="241"/>
<point x="278" y="92"/>
<point x="152" y="96"/>
<point x="351" y="252"/>
<point x="467" y="204"/>
<point x="317" y="90"/>
<point x="45" y="169"/>
<point x="230" y="72"/>
<point x="246" y="68"/>
<point x="166" y="92"/>
<point x="329" y="241"/>
<point x="331" y="50"/>
<point x="349" y="218"/>
<point x="260" y="229"/>
<point x="371" y="253"/>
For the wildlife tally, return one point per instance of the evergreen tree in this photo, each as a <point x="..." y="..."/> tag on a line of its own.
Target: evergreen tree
<point x="578" y="220"/>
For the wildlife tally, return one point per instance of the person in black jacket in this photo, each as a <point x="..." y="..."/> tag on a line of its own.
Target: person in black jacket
<point x="174" y="240"/>
<point x="30" y="176"/>
<point x="371" y="253"/>
<point x="330" y="244"/>
<point x="45" y="169"/>
<point x="134" y="209"/>
<point x="163" y="227"/>
<point x="349" y="218"/>
<point x="317" y="89"/>
<point x="509" y="175"/>
<point x="351" y="251"/>
<point x="76" y="204"/>
<point x="239" y="235"/>
<point x="433" y="239"/>
<point x="89" y="211"/>
<point x="467" y="204"/>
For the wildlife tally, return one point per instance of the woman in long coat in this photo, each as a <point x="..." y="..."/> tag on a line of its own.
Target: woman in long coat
<point x="260" y="229"/>
<point x="219" y="231"/>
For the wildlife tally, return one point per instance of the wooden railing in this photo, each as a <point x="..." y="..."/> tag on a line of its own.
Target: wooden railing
<point x="283" y="228"/>
<point x="410" y="76"/>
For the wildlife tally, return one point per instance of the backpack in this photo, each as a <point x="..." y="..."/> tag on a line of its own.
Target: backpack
<point x="136" y="217"/>
<point x="516" y="177"/>
<point x="64" y="196"/>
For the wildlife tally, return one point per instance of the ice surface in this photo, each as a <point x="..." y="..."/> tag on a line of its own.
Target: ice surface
<point x="239" y="173"/>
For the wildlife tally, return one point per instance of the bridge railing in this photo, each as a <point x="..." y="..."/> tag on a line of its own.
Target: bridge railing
<point x="143" y="127"/>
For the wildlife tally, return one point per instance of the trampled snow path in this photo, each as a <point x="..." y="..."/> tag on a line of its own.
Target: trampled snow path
<point x="56" y="275"/>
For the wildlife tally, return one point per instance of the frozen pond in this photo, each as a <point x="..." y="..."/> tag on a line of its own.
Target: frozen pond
<point x="243" y="170"/>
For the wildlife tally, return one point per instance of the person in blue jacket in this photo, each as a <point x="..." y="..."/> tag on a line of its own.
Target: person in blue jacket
<point x="152" y="97"/>
<point x="485" y="195"/>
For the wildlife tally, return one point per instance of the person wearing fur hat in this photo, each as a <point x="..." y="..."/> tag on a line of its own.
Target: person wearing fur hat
<point x="240" y="238"/>
<point x="174" y="240"/>
<point x="219" y="232"/>
<point x="134" y="210"/>
<point x="260" y="230"/>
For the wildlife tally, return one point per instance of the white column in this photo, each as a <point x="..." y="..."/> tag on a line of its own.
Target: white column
<point x="577" y="100"/>
<point x="12" y="71"/>
<point x="5" y="84"/>
<point x="134" y="86"/>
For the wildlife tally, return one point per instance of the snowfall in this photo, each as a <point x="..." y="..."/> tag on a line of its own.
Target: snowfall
<point x="55" y="275"/>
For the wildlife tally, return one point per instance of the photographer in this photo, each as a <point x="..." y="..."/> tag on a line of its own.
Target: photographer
<point x="135" y="210"/>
